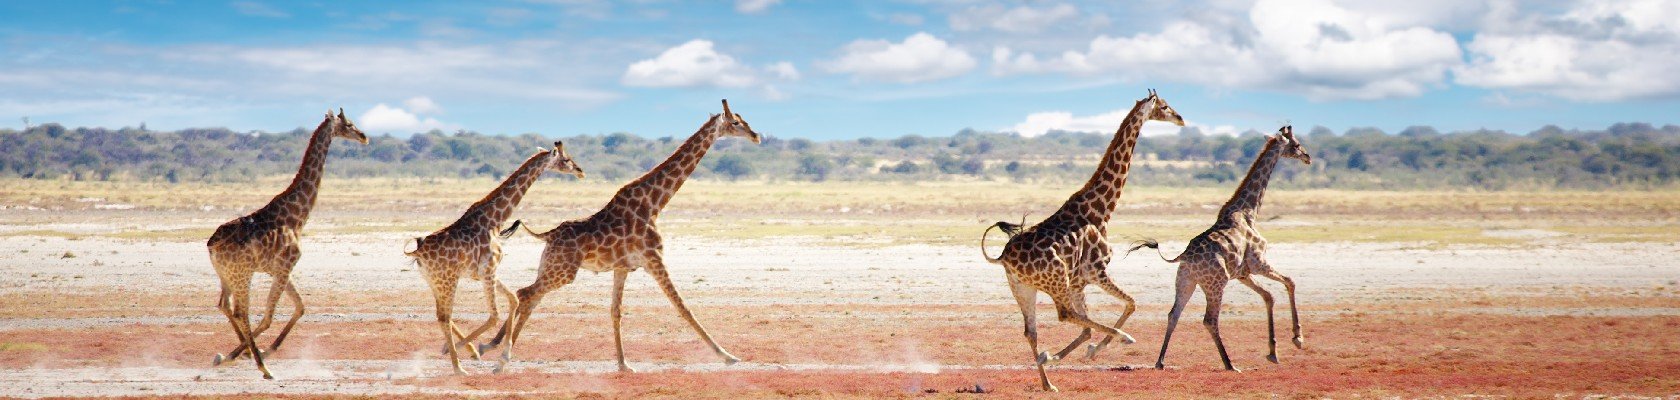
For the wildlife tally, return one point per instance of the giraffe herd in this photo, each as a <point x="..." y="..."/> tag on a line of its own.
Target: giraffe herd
<point x="1059" y="256"/>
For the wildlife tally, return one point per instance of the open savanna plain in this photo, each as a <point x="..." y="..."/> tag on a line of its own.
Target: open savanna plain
<point x="845" y="289"/>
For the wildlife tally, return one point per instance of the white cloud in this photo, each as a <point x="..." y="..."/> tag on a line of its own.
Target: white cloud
<point x="754" y="6"/>
<point x="386" y="119"/>
<point x="1320" y="50"/>
<point x="1595" y="51"/>
<point x="783" y="70"/>
<point x="690" y="64"/>
<point x="422" y="105"/>
<point x="1021" y="19"/>
<point x="920" y="57"/>
<point x="1039" y="123"/>
<point x="256" y="9"/>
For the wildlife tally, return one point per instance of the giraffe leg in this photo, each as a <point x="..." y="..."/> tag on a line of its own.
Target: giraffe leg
<point x="1107" y="285"/>
<point x="1294" y="317"/>
<point x="1027" y="297"/>
<point x="297" y="313"/>
<point x="656" y="267"/>
<point x="1076" y="305"/>
<point x="1215" y="294"/>
<point x="1271" y="328"/>
<point x="513" y="307"/>
<point x="223" y="305"/>
<point x="550" y="278"/>
<point x="444" y="294"/>
<point x="242" y="324"/>
<point x="490" y="296"/>
<point x="1186" y="287"/>
<point x="617" y="315"/>
<point x="275" y="289"/>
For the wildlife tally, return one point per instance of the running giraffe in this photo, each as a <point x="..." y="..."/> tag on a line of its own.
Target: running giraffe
<point x="1233" y="249"/>
<point x="471" y="245"/>
<point x="267" y="241"/>
<point x="1070" y="250"/>
<point x="623" y="237"/>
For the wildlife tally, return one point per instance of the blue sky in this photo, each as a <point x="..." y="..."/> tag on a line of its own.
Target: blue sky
<point x="836" y="69"/>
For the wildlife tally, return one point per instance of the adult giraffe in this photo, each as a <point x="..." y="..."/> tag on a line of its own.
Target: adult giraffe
<point x="1070" y="249"/>
<point x="267" y="241"/>
<point x="624" y="236"/>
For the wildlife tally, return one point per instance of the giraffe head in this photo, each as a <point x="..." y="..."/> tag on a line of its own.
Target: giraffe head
<point x="1163" y="112"/>
<point x="731" y="124"/>
<point x="1292" y="147"/>
<point x="562" y="162"/>
<point x="342" y="127"/>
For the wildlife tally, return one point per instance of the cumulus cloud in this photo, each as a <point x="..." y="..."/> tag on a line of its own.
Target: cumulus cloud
<point x="386" y="119"/>
<point x="1019" y="19"/>
<point x="1320" y="50"/>
<point x="1595" y="51"/>
<point x="690" y="64"/>
<point x="920" y="57"/>
<point x="754" y="6"/>
<point x="1039" y="123"/>
<point x="783" y="70"/>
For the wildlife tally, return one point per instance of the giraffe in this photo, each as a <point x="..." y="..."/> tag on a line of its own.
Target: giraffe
<point x="1070" y="250"/>
<point x="623" y="237"/>
<point x="267" y="241"/>
<point x="472" y="245"/>
<point x="1233" y="250"/>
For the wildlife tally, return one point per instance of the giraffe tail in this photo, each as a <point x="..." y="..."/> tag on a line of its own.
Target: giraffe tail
<point x="1008" y="229"/>
<point x="541" y="236"/>
<point x="412" y="253"/>
<point x="511" y="229"/>
<point x="1151" y="243"/>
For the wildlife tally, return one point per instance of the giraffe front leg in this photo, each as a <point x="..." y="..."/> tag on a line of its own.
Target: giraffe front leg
<point x="1294" y="317"/>
<point x="513" y="307"/>
<point x="656" y="267"/>
<point x="277" y="288"/>
<point x="490" y="296"/>
<point x="1108" y="286"/>
<point x="444" y="294"/>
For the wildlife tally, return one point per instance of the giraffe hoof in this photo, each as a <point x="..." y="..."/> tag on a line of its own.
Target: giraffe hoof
<point x="1300" y="343"/>
<point x="1272" y="358"/>
<point x="1233" y="369"/>
<point x="626" y="369"/>
<point x="1051" y="388"/>
<point x="460" y="372"/>
<point x="219" y="360"/>
<point x="485" y="347"/>
<point x="500" y="367"/>
<point x="730" y="360"/>
<point x="1160" y="367"/>
<point x="1044" y="357"/>
<point x="1091" y="351"/>
<point x="1127" y="338"/>
<point x="268" y="376"/>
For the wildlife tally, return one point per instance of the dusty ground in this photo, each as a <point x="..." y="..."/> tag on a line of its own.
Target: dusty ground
<point x="114" y="301"/>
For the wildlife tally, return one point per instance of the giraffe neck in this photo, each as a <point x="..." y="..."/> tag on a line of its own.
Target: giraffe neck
<point x="661" y="183"/>
<point x="1246" y="201"/>
<point x="1094" y="203"/>
<point x="496" y="207"/>
<point x="291" y="207"/>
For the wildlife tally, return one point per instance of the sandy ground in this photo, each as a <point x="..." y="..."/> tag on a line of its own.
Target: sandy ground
<point x="87" y="316"/>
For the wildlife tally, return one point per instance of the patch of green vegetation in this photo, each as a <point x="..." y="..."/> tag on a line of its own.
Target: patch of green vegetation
<point x="22" y="346"/>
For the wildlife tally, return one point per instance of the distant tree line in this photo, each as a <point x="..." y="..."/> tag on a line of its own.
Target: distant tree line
<point x="1635" y="155"/>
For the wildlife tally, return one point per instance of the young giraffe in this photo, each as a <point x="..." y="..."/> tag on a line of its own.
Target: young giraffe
<point x="1070" y="250"/>
<point x="267" y="241"/>
<point x="624" y="236"/>
<point x="470" y="245"/>
<point x="1233" y="249"/>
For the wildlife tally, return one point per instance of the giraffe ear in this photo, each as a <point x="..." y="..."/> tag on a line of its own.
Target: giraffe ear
<point x="559" y="147"/>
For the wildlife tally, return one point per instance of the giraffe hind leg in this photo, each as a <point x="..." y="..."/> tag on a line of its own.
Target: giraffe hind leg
<point x="1026" y="297"/>
<point x="297" y="313"/>
<point x="1108" y="286"/>
<point x="275" y="290"/>
<point x="1076" y="306"/>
